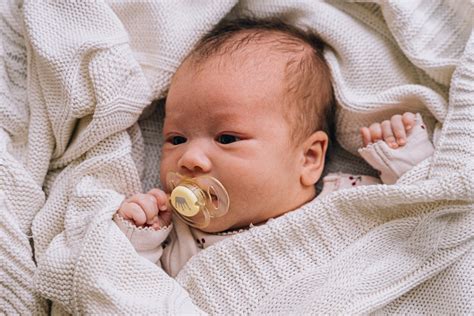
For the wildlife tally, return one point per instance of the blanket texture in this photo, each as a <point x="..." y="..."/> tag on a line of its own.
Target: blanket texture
<point x="77" y="135"/>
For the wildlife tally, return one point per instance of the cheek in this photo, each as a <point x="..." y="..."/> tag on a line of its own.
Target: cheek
<point x="272" y="176"/>
<point x="254" y="183"/>
<point x="167" y="164"/>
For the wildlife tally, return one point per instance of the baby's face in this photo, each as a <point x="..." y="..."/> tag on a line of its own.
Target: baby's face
<point x="227" y="121"/>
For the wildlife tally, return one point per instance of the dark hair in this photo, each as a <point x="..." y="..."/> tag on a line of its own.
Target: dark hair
<point x="308" y="75"/>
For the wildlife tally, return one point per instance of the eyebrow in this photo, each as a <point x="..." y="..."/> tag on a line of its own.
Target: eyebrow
<point x="225" y="116"/>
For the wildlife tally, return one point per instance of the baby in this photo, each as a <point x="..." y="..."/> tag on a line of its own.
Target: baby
<point x="252" y="107"/>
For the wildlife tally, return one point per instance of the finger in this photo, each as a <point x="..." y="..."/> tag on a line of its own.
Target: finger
<point x="388" y="134"/>
<point x="398" y="129"/>
<point x="159" y="224"/>
<point x="148" y="204"/>
<point x="156" y="225"/>
<point x="375" y="132"/>
<point x="161" y="198"/>
<point x="165" y="218"/>
<point x="365" y="134"/>
<point x="408" y="120"/>
<point x="134" y="212"/>
<point x="162" y="220"/>
<point x="165" y="215"/>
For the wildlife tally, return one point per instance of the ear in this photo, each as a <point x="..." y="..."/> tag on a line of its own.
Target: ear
<point x="314" y="151"/>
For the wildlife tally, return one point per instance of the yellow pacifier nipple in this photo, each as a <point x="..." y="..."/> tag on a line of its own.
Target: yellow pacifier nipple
<point x="197" y="200"/>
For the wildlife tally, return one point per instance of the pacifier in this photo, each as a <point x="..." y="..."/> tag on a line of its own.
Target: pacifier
<point x="197" y="200"/>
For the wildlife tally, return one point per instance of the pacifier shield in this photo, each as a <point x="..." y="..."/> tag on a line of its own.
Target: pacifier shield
<point x="197" y="200"/>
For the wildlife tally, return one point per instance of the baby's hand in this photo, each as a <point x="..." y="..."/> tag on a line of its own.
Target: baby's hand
<point x="148" y="209"/>
<point x="393" y="131"/>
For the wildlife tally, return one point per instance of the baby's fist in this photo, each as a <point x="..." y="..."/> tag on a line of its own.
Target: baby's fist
<point x="150" y="209"/>
<point x="393" y="131"/>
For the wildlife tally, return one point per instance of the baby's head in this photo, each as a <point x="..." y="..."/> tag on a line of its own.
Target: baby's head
<point x="251" y="106"/>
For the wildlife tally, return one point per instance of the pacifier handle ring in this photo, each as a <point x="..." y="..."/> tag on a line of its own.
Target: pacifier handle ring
<point x="222" y="197"/>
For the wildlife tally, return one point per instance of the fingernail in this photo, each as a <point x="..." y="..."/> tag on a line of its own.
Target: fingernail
<point x="409" y="127"/>
<point x="163" y="207"/>
<point x="393" y="145"/>
<point x="401" y="141"/>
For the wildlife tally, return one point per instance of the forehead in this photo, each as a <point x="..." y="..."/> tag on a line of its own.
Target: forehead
<point x="256" y="59"/>
<point x="251" y="76"/>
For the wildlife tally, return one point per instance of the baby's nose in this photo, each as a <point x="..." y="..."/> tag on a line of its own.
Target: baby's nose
<point x="194" y="160"/>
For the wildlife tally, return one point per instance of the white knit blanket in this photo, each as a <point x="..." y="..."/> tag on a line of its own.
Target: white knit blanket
<point x="77" y="75"/>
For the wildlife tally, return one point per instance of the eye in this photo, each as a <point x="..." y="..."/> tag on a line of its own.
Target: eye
<point x="227" y="139"/>
<point x="176" y="140"/>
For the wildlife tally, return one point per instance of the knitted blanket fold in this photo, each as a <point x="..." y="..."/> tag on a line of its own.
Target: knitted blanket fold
<point x="78" y="134"/>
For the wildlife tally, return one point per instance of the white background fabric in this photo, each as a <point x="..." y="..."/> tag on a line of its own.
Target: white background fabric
<point x="75" y="78"/>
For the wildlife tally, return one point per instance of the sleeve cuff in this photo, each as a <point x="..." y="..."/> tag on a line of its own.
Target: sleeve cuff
<point x="142" y="238"/>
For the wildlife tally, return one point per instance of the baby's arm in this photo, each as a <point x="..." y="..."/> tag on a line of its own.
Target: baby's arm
<point x="395" y="146"/>
<point x="146" y="221"/>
